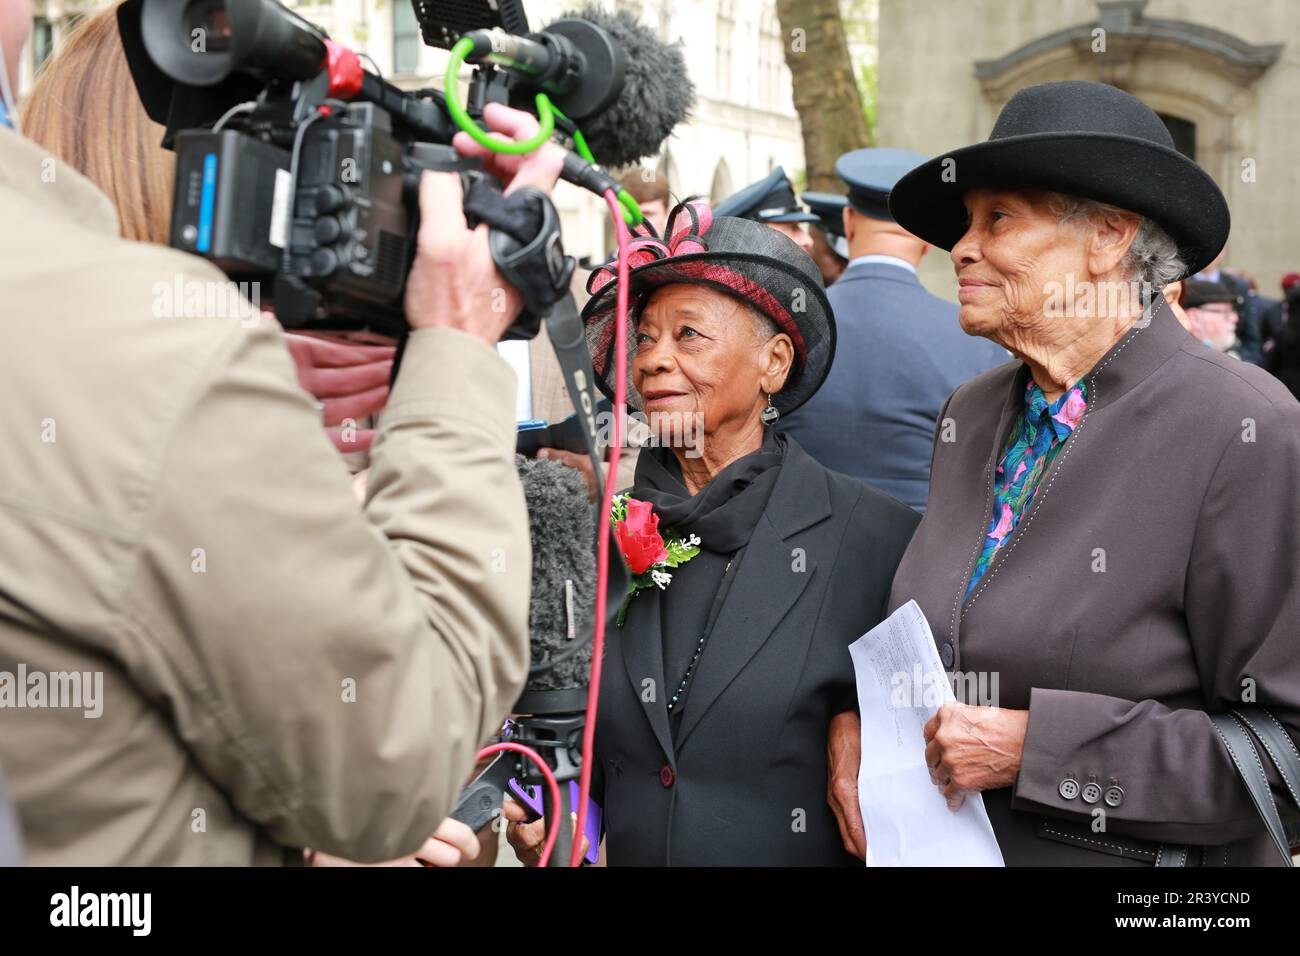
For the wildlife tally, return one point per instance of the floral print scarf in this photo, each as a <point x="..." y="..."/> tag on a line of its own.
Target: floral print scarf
<point x="1031" y="447"/>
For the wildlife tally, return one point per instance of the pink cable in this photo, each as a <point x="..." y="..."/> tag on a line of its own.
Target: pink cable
<point x="552" y="826"/>
<point x="602" y="550"/>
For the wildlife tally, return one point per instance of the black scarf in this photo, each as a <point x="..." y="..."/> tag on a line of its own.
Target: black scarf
<point x="723" y="514"/>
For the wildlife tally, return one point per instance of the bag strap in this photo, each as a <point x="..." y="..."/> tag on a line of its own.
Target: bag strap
<point x="1281" y="750"/>
<point x="1232" y="731"/>
<point x="1278" y="745"/>
<point x="569" y="341"/>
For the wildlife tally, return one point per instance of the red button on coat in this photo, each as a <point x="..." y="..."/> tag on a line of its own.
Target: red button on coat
<point x="666" y="776"/>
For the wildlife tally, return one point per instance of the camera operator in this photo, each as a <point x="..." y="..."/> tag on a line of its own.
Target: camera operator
<point x="111" y="140"/>
<point x="259" y="667"/>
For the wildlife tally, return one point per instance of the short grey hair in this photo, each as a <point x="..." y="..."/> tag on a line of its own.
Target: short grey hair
<point x="1152" y="259"/>
<point x="764" y="327"/>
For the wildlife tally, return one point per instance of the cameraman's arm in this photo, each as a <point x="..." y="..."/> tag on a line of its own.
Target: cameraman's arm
<point x="335" y="674"/>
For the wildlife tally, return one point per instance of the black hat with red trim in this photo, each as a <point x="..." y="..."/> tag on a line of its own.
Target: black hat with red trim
<point x="741" y="257"/>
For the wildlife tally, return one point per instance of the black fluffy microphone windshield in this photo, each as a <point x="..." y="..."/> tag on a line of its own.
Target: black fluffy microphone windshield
<point x="657" y="91"/>
<point x="561" y="613"/>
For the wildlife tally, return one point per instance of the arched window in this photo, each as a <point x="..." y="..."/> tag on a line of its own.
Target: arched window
<point x="1184" y="133"/>
<point x="721" y="187"/>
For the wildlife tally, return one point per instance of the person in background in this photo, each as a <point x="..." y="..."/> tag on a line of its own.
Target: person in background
<point x="901" y="350"/>
<point x="548" y="396"/>
<point x="1174" y="293"/>
<point x="1274" y="320"/>
<point x="1212" y="315"/>
<point x="772" y="202"/>
<point x="1248" y="305"/>
<point x="830" y="249"/>
<point x="83" y="109"/>
<point x="1252" y="311"/>
<point x="1284" y="362"/>
<point x="652" y="192"/>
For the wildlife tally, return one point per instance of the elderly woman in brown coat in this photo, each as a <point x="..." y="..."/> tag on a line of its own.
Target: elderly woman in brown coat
<point x="1112" y="521"/>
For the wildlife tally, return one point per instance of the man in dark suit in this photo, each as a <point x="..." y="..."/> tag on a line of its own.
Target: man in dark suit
<point x="901" y="352"/>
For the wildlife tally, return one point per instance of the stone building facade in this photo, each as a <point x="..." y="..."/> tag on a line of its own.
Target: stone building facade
<point x="1224" y="75"/>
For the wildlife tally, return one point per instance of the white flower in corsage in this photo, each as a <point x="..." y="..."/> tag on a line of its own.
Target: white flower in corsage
<point x="649" y="554"/>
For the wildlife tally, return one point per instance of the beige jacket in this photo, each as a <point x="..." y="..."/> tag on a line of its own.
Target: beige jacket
<point x="278" y="670"/>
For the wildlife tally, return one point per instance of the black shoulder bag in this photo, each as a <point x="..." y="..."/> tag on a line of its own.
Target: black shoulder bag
<point x="1234" y="729"/>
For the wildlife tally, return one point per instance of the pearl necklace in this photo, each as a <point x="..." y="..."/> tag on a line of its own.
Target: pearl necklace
<point x="695" y="658"/>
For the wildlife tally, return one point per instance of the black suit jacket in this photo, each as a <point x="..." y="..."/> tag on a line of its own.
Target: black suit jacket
<point x="746" y="782"/>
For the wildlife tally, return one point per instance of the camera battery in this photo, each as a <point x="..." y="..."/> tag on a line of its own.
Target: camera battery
<point x="232" y="202"/>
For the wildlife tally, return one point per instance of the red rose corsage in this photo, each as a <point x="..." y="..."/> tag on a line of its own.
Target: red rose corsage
<point x="650" y="555"/>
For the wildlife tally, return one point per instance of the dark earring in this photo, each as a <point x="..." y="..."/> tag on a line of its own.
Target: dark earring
<point x="770" y="414"/>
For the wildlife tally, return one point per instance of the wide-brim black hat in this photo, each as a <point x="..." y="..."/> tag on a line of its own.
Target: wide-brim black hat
<point x="740" y="257"/>
<point x="1084" y="139"/>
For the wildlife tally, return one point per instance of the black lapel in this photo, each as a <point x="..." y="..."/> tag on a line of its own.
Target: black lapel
<point x="643" y="657"/>
<point x="766" y="585"/>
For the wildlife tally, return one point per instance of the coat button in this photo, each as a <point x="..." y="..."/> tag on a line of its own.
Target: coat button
<point x="1114" y="797"/>
<point x="666" y="775"/>
<point x="1091" y="792"/>
<point x="1069" y="788"/>
<point x="947" y="654"/>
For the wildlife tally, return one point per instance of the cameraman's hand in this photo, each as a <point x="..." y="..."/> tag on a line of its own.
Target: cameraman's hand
<point x="453" y="844"/>
<point x="351" y="380"/>
<point x="539" y="168"/>
<point x="453" y="281"/>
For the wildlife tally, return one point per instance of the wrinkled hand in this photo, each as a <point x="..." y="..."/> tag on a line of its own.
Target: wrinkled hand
<point x="453" y="282"/>
<point x="843" y="757"/>
<point x="529" y="839"/>
<point x="351" y="380"/>
<point x="579" y="463"/>
<point x="969" y="749"/>
<point x="449" y="846"/>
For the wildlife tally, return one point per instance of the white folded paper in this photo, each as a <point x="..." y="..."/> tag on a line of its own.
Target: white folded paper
<point x="901" y="684"/>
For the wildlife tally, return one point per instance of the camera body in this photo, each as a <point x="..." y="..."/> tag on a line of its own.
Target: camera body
<point x="336" y="239"/>
<point x="300" y="171"/>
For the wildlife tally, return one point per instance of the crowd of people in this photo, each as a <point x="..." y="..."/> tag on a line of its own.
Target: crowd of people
<point x="305" y="642"/>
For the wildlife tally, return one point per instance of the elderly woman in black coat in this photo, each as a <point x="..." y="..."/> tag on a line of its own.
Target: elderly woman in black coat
<point x="1112" y="521"/>
<point x="759" y="566"/>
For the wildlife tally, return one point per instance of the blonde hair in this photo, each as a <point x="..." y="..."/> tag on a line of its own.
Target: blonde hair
<point x="84" y="109"/>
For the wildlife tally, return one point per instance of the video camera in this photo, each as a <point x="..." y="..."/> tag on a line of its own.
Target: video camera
<point x="295" y="165"/>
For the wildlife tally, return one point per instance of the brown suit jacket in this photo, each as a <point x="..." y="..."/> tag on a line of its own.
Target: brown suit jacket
<point x="1155" y="576"/>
